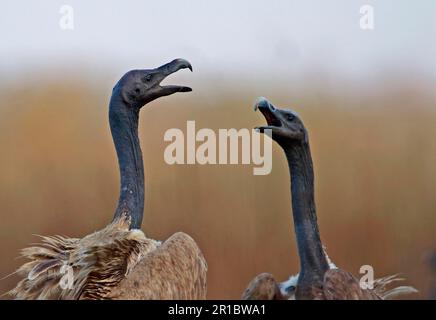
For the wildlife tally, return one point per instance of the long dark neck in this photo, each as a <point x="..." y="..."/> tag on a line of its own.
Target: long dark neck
<point x="123" y="121"/>
<point x="313" y="262"/>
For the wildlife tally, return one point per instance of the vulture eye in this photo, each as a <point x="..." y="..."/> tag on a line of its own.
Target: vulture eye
<point x="148" y="77"/>
<point x="290" y="117"/>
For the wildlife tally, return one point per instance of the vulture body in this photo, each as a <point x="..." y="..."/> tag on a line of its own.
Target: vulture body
<point x="319" y="278"/>
<point x="119" y="261"/>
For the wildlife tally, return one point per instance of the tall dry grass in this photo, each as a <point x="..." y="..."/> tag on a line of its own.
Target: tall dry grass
<point x="374" y="155"/>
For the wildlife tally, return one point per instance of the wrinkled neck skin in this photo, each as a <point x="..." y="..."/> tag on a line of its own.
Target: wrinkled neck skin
<point x="123" y="121"/>
<point x="313" y="262"/>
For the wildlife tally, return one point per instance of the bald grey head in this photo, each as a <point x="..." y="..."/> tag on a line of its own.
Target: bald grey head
<point x="139" y="87"/>
<point x="285" y="124"/>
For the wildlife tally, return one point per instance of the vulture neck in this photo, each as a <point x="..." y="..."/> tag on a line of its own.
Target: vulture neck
<point x="123" y="121"/>
<point x="313" y="262"/>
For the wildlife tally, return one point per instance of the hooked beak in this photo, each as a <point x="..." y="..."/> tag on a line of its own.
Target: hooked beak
<point x="269" y="112"/>
<point x="170" y="68"/>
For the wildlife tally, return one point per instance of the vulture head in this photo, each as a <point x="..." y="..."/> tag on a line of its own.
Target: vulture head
<point x="139" y="87"/>
<point x="285" y="125"/>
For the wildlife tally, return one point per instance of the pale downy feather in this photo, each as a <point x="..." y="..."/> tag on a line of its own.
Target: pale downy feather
<point x="98" y="262"/>
<point x="287" y="288"/>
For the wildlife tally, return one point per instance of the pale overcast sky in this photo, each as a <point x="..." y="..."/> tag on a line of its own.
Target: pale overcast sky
<point x="218" y="36"/>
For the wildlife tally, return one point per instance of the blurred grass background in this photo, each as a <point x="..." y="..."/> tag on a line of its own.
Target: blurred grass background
<point x="374" y="153"/>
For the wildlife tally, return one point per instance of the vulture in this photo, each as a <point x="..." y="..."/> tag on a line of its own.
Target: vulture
<point x="120" y="261"/>
<point x="319" y="278"/>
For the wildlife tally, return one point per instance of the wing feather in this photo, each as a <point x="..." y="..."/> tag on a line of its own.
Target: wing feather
<point x="342" y="285"/>
<point x="176" y="270"/>
<point x="98" y="262"/>
<point x="263" y="287"/>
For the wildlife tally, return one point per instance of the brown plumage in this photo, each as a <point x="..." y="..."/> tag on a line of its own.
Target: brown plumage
<point x="337" y="285"/>
<point x="263" y="287"/>
<point x="187" y="279"/>
<point x="319" y="278"/>
<point x="114" y="263"/>
<point x="119" y="261"/>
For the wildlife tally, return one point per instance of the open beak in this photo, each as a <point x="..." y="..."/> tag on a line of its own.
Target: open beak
<point x="269" y="112"/>
<point x="170" y="68"/>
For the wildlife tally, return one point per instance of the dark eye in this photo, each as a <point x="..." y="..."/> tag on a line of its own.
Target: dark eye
<point x="148" y="77"/>
<point x="290" y="117"/>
